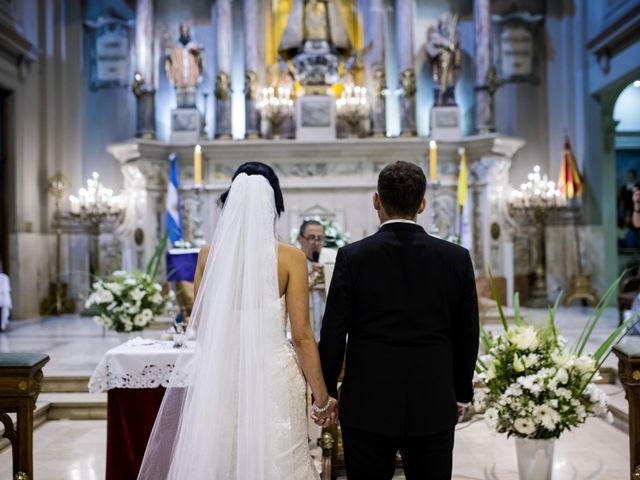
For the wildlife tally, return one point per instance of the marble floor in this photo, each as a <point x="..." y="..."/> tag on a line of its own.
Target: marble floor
<point x="75" y="449"/>
<point x="76" y="344"/>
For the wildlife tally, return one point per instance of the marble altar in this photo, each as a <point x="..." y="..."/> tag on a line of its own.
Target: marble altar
<point x="333" y="179"/>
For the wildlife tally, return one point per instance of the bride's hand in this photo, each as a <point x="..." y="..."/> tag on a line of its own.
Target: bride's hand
<point x="327" y="414"/>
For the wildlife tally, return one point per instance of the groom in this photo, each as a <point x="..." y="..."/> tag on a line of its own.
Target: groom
<point x="407" y="302"/>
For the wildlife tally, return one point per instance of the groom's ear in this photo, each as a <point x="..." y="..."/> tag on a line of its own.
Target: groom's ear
<point x="423" y="205"/>
<point x="376" y="201"/>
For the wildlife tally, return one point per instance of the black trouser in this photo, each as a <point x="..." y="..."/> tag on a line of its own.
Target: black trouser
<point x="371" y="456"/>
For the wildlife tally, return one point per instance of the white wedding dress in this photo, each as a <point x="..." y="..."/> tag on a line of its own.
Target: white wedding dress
<point x="237" y="408"/>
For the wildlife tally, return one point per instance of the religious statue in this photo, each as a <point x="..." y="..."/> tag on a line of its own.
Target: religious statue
<point x="184" y="67"/>
<point x="443" y="49"/>
<point x="313" y="39"/>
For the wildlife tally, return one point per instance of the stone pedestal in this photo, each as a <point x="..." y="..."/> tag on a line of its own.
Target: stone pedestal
<point x="445" y="123"/>
<point x="185" y="126"/>
<point x="316" y="118"/>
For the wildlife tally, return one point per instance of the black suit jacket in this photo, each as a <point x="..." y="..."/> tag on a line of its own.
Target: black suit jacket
<point x="407" y="302"/>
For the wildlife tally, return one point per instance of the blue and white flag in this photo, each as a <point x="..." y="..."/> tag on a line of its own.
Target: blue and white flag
<point x="174" y="212"/>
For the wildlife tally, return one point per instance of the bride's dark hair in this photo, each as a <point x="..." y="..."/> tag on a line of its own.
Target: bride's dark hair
<point x="258" y="168"/>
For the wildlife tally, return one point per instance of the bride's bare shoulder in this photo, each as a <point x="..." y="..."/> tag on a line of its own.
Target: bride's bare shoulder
<point x="289" y="254"/>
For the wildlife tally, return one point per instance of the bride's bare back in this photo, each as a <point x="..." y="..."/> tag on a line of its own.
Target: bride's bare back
<point x="292" y="282"/>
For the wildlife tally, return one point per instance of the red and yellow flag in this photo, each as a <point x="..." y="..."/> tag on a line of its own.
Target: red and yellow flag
<point x="570" y="182"/>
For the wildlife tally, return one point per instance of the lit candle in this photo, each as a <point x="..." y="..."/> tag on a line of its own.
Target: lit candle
<point x="197" y="166"/>
<point x="433" y="161"/>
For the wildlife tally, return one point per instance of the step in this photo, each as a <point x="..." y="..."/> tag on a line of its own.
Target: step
<point x="65" y="384"/>
<point x="76" y="406"/>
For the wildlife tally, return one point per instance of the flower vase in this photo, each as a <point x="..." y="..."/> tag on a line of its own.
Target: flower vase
<point x="535" y="458"/>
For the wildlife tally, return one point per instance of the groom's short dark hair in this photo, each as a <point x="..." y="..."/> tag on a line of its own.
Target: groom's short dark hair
<point x="401" y="186"/>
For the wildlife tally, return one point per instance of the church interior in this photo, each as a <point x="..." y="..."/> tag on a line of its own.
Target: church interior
<point x="122" y="122"/>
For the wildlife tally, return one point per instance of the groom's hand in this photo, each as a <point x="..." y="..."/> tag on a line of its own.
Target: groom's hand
<point x="327" y="418"/>
<point x="461" y="411"/>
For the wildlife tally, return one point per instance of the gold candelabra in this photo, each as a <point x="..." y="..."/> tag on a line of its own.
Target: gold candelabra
<point x="276" y="106"/>
<point x="95" y="205"/>
<point x="57" y="303"/>
<point x="353" y="108"/>
<point x="534" y="201"/>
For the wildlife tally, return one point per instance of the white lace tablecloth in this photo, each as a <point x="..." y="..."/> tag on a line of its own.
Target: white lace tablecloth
<point x="138" y="363"/>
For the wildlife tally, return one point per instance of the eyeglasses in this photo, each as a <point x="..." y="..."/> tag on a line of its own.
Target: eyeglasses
<point x="314" y="238"/>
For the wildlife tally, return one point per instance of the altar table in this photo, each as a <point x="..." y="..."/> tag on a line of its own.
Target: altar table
<point x="134" y="375"/>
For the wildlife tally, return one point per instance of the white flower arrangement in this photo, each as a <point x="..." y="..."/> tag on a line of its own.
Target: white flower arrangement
<point x="334" y="237"/>
<point x="126" y="301"/>
<point x="536" y="387"/>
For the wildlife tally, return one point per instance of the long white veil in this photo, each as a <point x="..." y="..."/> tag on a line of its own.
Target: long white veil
<point x="225" y="414"/>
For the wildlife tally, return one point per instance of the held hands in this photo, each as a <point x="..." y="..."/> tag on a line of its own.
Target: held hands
<point x="461" y="411"/>
<point x="325" y="414"/>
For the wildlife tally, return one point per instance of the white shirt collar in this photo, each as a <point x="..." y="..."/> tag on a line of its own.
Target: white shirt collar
<point x="397" y="220"/>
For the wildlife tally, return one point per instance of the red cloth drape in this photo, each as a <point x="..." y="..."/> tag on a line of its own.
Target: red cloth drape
<point x="130" y="417"/>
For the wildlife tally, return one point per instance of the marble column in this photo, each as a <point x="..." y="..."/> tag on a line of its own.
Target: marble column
<point x="251" y="66"/>
<point x="144" y="81"/>
<point x="484" y="78"/>
<point x="224" y="47"/>
<point x="374" y="31"/>
<point x="405" y="15"/>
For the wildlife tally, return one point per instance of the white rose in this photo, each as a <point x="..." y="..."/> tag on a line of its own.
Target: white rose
<point x="514" y="390"/>
<point x="131" y="281"/>
<point x="530" y="360"/>
<point x="524" y="426"/>
<point x="114" y="287"/>
<point x="139" y="321"/>
<point x="491" y="416"/>
<point x="105" y="296"/>
<point x="157" y="299"/>
<point x="562" y="376"/>
<point x="585" y="364"/>
<point x="137" y="294"/>
<point x="147" y="314"/>
<point x="157" y="287"/>
<point x="524" y="338"/>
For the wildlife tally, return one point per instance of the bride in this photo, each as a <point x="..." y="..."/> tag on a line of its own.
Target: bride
<point x="236" y="408"/>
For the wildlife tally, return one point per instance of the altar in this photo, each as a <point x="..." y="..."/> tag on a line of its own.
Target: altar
<point x="333" y="180"/>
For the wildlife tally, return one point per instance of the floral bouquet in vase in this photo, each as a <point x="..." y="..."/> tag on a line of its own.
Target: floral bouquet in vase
<point x="536" y="386"/>
<point x="129" y="301"/>
<point x="126" y="301"/>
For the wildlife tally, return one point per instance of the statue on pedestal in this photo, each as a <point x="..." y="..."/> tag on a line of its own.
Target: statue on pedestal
<point x="184" y="67"/>
<point x="443" y="49"/>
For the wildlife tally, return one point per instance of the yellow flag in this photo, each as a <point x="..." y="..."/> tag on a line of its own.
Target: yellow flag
<point x="462" y="179"/>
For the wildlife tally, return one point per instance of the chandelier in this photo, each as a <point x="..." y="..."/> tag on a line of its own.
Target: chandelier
<point x="276" y="106"/>
<point x="95" y="203"/>
<point x="353" y="107"/>
<point x="537" y="193"/>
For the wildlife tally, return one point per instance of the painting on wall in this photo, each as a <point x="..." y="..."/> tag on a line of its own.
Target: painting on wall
<point x="628" y="198"/>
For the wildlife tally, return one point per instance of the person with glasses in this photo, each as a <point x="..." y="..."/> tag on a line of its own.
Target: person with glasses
<point x="320" y="262"/>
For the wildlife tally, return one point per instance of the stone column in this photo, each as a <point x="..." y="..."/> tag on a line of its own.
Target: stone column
<point x="251" y="65"/>
<point x="144" y="81"/>
<point x="404" y="30"/>
<point x="484" y="78"/>
<point x="224" y="43"/>
<point x="374" y="31"/>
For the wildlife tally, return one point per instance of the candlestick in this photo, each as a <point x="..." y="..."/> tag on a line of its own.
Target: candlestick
<point x="197" y="165"/>
<point x="433" y="160"/>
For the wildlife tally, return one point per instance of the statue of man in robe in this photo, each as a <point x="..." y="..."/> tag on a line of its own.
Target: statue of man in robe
<point x="184" y="65"/>
<point x="443" y="49"/>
